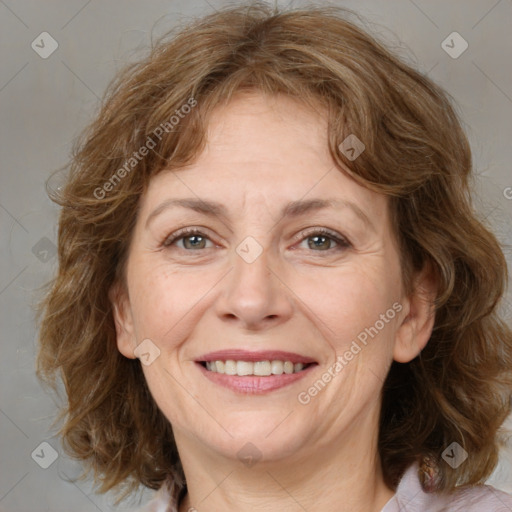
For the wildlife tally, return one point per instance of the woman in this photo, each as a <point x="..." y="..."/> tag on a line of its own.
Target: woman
<point x="273" y="293"/>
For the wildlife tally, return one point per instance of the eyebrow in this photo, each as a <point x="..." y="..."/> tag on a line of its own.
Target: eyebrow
<point x="293" y="209"/>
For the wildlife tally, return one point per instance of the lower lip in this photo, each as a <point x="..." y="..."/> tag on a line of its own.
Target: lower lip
<point x="255" y="385"/>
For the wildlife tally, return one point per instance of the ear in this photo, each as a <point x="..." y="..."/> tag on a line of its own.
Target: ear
<point x="418" y="322"/>
<point x="123" y="319"/>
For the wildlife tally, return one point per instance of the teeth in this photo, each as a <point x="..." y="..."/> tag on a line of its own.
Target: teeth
<point x="262" y="368"/>
<point x="277" y="367"/>
<point x="259" y="368"/>
<point x="230" y="367"/>
<point x="244" y="368"/>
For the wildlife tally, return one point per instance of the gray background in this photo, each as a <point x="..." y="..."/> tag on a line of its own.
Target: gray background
<point x="44" y="103"/>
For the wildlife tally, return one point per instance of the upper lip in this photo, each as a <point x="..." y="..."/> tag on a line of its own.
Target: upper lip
<point x="262" y="355"/>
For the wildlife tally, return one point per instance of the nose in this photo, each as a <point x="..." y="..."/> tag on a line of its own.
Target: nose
<point x="254" y="295"/>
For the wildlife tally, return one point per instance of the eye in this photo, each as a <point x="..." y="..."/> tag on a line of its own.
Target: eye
<point x="192" y="239"/>
<point x="322" y="240"/>
<point x="318" y="240"/>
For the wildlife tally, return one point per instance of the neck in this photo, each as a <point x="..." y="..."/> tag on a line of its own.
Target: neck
<point x="341" y="476"/>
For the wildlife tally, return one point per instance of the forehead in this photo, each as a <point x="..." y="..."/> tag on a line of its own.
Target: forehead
<point x="273" y="149"/>
<point x="269" y="126"/>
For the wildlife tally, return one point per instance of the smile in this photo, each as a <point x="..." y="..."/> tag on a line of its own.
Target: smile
<point x="258" y="368"/>
<point x="259" y="372"/>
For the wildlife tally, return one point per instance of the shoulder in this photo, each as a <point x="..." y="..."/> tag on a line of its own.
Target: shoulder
<point x="410" y="497"/>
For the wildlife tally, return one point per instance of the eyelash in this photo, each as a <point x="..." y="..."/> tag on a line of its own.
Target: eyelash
<point x="342" y="242"/>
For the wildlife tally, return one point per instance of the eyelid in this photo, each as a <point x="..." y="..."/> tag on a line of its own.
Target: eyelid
<point x="184" y="232"/>
<point x="339" y="238"/>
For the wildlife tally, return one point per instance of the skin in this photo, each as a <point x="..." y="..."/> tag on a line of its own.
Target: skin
<point x="262" y="153"/>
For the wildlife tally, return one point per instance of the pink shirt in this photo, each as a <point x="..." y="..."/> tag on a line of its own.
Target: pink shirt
<point x="409" y="497"/>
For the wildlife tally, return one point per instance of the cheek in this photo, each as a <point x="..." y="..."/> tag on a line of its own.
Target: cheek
<point x="164" y="300"/>
<point x="347" y="303"/>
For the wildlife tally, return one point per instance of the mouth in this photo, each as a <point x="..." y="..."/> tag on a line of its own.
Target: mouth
<point x="254" y="372"/>
<point x="259" y="368"/>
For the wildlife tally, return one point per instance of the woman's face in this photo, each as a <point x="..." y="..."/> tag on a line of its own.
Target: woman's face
<point x="286" y="260"/>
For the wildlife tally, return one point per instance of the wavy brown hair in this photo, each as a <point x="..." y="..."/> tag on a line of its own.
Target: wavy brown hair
<point x="457" y="389"/>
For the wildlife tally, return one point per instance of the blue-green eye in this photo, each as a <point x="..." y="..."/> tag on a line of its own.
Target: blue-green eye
<point x="193" y="239"/>
<point x="318" y="240"/>
<point x="321" y="240"/>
